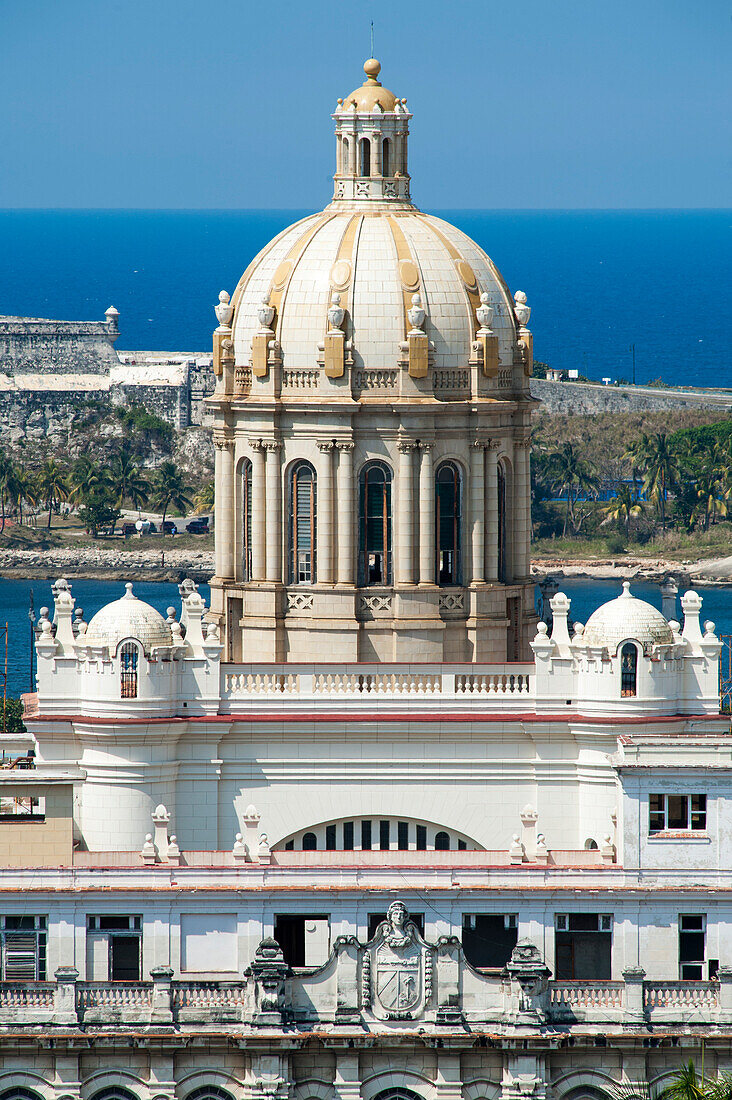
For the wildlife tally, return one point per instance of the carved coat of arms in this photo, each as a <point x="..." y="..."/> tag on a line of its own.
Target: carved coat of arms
<point x="397" y="968"/>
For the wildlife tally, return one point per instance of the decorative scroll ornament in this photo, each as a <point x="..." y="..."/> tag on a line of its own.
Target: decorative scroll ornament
<point x="224" y="310"/>
<point x="416" y="315"/>
<point x="484" y="312"/>
<point x="336" y="313"/>
<point x="522" y="311"/>
<point x="398" y="968"/>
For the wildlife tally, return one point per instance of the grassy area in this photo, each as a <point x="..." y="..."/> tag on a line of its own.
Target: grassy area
<point x="675" y="545"/>
<point x="71" y="533"/>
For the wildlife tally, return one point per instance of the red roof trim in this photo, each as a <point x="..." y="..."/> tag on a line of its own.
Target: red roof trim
<point x="376" y="716"/>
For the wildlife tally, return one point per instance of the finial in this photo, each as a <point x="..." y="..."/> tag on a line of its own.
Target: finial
<point x="128" y="592"/>
<point x="522" y="311"/>
<point x="626" y="590"/>
<point x="372" y="68"/>
<point x="224" y="310"/>
<point x="484" y="312"/>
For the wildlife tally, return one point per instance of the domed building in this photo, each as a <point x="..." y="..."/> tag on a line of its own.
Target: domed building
<point x="372" y="428"/>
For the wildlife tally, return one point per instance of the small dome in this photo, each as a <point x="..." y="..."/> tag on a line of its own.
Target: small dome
<point x="371" y="92"/>
<point x="626" y="618"/>
<point x="128" y="618"/>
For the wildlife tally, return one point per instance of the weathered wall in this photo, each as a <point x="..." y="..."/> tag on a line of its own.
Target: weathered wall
<point x="581" y="398"/>
<point x="33" y="345"/>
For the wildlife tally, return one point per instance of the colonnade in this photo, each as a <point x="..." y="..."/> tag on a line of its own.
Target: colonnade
<point x="413" y="513"/>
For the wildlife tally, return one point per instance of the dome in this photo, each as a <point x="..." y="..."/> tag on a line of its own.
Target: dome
<point x="626" y="618"/>
<point x="371" y="94"/>
<point x="128" y="618"/>
<point x="375" y="261"/>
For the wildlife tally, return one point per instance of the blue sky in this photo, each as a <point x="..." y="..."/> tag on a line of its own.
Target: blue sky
<point x="193" y="104"/>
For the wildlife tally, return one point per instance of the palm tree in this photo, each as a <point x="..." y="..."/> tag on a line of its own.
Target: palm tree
<point x="661" y="471"/>
<point x="204" y="498"/>
<point x="88" y="477"/>
<point x="571" y="474"/>
<point x="169" y="489"/>
<point x="8" y="485"/>
<point x="25" y="489"/>
<point x="52" y="485"/>
<point x="623" y="508"/>
<point x="711" y="494"/>
<point x="127" y="480"/>
<point x="687" y="1085"/>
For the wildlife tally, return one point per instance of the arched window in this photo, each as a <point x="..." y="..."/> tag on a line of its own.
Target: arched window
<point x="309" y="842"/>
<point x="448" y="534"/>
<point x="398" y="1094"/>
<point x="19" y="1093"/>
<point x="591" y="845"/>
<point x="442" y="842"/>
<point x="114" y="1093"/>
<point x="246" y="498"/>
<point x="209" y="1092"/>
<point x="365" y="150"/>
<point x="385" y="157"/>
<point x="345" y="155"/>
<point x="501" y="494"/>
<point x="128" y="658"/>
<point x="628" y="670"/>
<point x="302" y="523"/>
<point x="375" y="525"/>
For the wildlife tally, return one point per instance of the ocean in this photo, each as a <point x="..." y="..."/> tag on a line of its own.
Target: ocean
<point x="597" y="281"/>
<point x="586" y="595"/>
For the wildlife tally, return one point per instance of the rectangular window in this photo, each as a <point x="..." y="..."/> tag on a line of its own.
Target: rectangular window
<point x="23" y="945"/>
<point x="384" y="837"/>
<point x="489" y="938"/>
<point x="330" y="838"/>
<point x="304" y="938"/>
<point x="366" y="836"/>
<point x="25" y="807"/>
<point x="403" y="835"/>
<point x="113" y="948"/>
<point x="583" y="946"/>
<point x="421" y="838"/>
<point x="677" y="812"/>
<point x="348" y="836"/>
<point x="375" y="920"/>
<point x="692" y="946"/>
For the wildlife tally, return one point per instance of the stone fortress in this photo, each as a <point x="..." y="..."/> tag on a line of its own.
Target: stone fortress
<point x="50" y="369"/>
<point x="365" y="829"/>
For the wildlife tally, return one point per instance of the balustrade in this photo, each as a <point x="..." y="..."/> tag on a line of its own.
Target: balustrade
<point x="680" y="995"/>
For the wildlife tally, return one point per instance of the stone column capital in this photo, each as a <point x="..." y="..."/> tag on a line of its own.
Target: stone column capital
<point x="345" y="445"/>
<point x="256" y="444"/>
<point x="326" y="445"/>
<point x="426" y="447"/>
<point x="223" y="444"/>
<point x="272" y="445"/>
<point x="522" y="441"/>
<point x="405" y="446"/>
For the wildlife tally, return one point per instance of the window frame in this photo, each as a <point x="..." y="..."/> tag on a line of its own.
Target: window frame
<point x="455" y="550"/>
<point x="364" y="526"/>
<point x="629" y="674"/>
<point x="129" y="671"/>
<point x="308" y="574"/>
<point x="246" y="519"/>
<point x="696" y="816"/>
<point x="38" y="930"/>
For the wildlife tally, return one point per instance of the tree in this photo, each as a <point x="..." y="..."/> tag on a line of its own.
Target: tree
<point x="127" y="480"/>
<point x="11" y="716"/>
<point x="623" y="508"/>
<point x="98" y="510"/>
<point x="710" y="491"/>
<point x="52" y="485"/>
<point x="8" y="485"/>
<point x="204" y="498"/>
<point x="661" y="466"/>
<point x="24" y="489"/>
<point x="169" y="489"/>
<point x="88" y="477"/>
<point x="573" y="476"/>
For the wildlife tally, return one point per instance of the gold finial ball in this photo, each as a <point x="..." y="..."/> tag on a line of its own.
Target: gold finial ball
<point x="372" y="68"/>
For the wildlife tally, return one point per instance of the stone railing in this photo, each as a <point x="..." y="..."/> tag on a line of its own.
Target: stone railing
<point x="499" y="687"/>
<point x="305" y="997"/>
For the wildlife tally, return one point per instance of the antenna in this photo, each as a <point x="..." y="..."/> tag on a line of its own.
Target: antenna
<point x="372" y="38"/>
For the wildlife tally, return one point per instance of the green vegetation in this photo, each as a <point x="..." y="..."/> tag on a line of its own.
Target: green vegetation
<point x="687" y="1083"/>
<point x="137" y="418"/>
<point x="11" y="716"/>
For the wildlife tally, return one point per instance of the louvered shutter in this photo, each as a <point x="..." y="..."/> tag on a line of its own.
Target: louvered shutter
<point x="20" y="957"/>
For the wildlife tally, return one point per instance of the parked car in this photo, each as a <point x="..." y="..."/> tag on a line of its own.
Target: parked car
<point x="128" y="529"/>
<point x="198" y="526"/>
<point x="169" y="528"/>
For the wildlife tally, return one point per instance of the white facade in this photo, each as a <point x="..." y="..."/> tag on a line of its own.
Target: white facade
<point x="322" y="841"/>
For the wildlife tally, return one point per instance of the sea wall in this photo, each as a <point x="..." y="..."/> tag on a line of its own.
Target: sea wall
<point x="37" y="345"/>
<point x="580" y="398"/>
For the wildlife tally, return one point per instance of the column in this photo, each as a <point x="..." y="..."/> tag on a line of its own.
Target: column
<point x="427" y="562"/>
<point x="477" y="511"/>
<point x="521" y="507"/>
<point x="273" y="479"/>
<point x="345" y="513"/>
<point x="405" y="516"/>
<point x="491" y="507"/>
<point x="325" y="512"/>
<point x="225" y="508"/>
<point x="258" y="511"/>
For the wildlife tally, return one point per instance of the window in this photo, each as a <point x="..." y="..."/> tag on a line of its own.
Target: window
<point x="365" y="150"/>
<point x="380" y="834"/>
<point x="692" y="945"/>
<point x="23" y="941"/>
<point x="22" y="807"/>
<point x="375" y="920"/>
<point x="346" y="158"/>
<point x="304" y="938"/>
<point x="489" y="938"/>
<point x="366" y="836"/>
<point x="447" y="516"/>
<point x="129" y="655"/>
<point x="403" y="836"/>
<point x="583" y="946"/>
<point x="246" y="497"/>
<point x="302" y="524"/>
<point x="385" y="157"/>
<point x="19" y="1093"/>
<point x="375" y="525"/>
<point x="421" y="838"/>
<point x="309" y="842"/>
<point x="683" y="812"/>
<point x="115" y="1093"/>
<point x="209" y="1092"/>
<point x="330" y="838"/>
<point x="113" y="948"/>
<point x="442" y="842"/>
<point x="501" y="495"/>
<point x="384" y="835"/>
<point x="628" y="670"/>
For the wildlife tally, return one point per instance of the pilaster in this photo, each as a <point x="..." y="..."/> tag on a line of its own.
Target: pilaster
<point x="325" y="545"/>
<point x="427" y="553"/>
<point x="346" y="563"/>
<point x="273" y="479"/>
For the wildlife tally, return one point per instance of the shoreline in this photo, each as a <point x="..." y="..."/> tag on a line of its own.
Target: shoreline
<point x="102" y="563"/>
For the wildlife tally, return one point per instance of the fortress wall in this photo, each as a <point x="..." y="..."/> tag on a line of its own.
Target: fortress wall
<point x="582" y="399"/>
<point x="30" y="345"/>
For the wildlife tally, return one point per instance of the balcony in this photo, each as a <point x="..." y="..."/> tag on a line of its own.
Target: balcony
<point x="309" y="999"/>
<point x="393" y="688"/>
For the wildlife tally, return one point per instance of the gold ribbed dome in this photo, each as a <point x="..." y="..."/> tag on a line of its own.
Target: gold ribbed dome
<point x="371" y="92"/>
